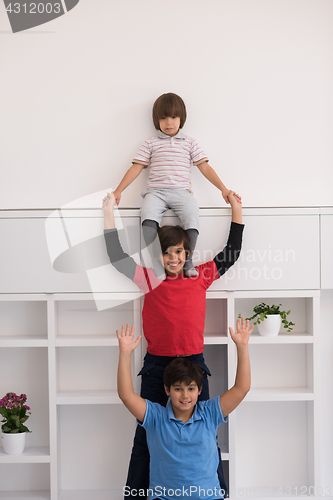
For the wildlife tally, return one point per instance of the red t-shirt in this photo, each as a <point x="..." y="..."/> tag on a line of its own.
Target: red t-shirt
<point x="174" y="310"/>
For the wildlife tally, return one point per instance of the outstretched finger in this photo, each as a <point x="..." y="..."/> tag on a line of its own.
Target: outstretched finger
<point x="251" y="329"/>
<point x="131" y="334"/>
<point x="137" y="341"/>
<point x="127" y="330"/>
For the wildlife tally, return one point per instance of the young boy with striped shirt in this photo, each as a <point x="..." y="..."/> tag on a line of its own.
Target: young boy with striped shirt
<point x="170" y="155"/>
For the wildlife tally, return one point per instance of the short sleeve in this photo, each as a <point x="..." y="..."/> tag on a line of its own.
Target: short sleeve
<point x="143" y="155"/>
<point x="197" y="154"/>
<point x="145" y="279"/>
<point x="212" y="408"/>
<point x="209" y="273"/>
<point x="151" y="415"/>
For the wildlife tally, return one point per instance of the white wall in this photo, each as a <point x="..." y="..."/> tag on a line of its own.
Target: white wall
<point x="256" y="75"/>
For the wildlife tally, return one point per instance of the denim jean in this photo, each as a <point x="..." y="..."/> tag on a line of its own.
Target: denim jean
<point x="152" y="388"/>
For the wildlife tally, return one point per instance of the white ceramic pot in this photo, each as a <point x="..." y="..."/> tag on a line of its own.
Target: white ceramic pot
<point x="13" y="444"/>
<point x="270" y="327"/>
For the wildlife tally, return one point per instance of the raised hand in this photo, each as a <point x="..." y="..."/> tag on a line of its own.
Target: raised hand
<point x="126" y="341"/>
<point x="243" y="332"/>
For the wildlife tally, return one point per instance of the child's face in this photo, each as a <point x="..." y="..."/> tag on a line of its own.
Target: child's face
<point x="174" y="259"/>
<point x="183" y="398"/>
<point x="170" y="125"/>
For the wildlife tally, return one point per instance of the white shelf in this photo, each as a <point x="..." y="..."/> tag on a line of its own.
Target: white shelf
<point x="280" y="493"/>
<point x="23" y="341"/>
<point x="87" y="398"/>
<point x="86" y="341"/>
<point x="32" y="455"/>
<point x="215" y="339"/>
<point x="224" y="452"/>
<point x="283" y="338"/>
<point x="91" y="495"/>
<point x="25" y="495"/>
<point x="280" y="394"/>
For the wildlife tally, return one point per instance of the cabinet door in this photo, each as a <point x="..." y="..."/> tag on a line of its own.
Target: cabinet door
<point x="279" y="252"/>
<point x="326" y="251"/>
<point x="31" y="262"/>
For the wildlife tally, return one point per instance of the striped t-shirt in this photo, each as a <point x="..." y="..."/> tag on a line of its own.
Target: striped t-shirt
<point x="170" y="160"/>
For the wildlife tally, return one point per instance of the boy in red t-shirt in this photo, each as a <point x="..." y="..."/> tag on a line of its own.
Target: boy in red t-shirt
<point x="177" y="304"/>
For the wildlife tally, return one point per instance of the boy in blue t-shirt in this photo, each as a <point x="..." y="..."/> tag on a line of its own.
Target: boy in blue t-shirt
<point x="185" y="429"/>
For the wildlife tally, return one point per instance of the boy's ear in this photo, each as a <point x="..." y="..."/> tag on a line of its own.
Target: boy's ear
<point x="200" y="389"/>
<point x="166" y="390"/>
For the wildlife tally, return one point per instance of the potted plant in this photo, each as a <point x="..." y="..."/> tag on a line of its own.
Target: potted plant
<point x="269" y="319"/>
<point x="15" y="413"/>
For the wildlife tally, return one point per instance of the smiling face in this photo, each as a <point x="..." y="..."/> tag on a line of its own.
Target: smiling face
<point x="173" y="259"/>
<point x="170" y="125"/>
<point x="183" y="398"/>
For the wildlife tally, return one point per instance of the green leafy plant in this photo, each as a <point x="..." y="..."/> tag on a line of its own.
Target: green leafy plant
<point x="262" y="310"/>
<point x="14" y="412"/>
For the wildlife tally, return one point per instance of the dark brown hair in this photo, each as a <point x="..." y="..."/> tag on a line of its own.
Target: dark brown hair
<point x="182" y="370"/>
<point x="169" y="105"/>
<point x="170" y="236"/>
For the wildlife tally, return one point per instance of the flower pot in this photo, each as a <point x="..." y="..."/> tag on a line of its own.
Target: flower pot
<point x="270" y="327"/>
<point x="13" y="444"/>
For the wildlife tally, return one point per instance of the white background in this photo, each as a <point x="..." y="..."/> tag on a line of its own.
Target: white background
<point x="256" y="76"/>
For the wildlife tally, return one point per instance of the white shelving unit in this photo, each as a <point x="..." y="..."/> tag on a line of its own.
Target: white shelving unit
<point x="81" y="372"/>
<point x="80" y="351"/>
<point x="61" y="350"/>
<point x="284" y="381"/>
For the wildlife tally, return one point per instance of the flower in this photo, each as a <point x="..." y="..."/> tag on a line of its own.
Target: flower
<point x="14" y="412"/>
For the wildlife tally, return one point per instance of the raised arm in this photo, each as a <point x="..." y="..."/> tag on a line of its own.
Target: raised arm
<point x="228" y="256"/>
<point x="119" y="259"/>
<point x="231" y="399"/>
<point x="210" y="174"/>
<point x="132" y="173"/>
<point x="133" y="402"/>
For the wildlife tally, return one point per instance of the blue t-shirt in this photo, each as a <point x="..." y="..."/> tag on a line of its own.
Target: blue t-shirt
<point x="184" y="457"/>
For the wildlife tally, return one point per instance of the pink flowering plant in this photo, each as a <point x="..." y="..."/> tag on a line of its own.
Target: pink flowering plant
<point x="15" y="413"/>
